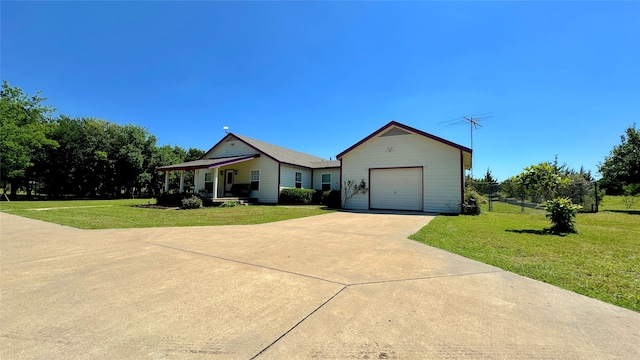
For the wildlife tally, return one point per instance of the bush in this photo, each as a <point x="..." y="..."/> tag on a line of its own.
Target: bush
<point x="171" y="200"/>
<point x="471" y="203"/>
<point x="229" y="203"/>
<point x="296" y="196"/>
<point x="562" y="213"/>
<point x="192" y="202"/>
<point x="332" y="199"/>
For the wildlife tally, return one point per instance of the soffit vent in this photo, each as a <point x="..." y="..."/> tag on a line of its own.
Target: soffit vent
<point x="395" y="132"/>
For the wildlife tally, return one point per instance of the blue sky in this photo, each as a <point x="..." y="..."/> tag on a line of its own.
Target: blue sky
<point x="557" y="77"/>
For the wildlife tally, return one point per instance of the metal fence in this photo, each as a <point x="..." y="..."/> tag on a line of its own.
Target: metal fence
<point x="513" y="198"/>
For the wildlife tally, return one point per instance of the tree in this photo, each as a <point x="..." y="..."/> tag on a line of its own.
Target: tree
<point x="25" y="127"/>
<point x="622" y="167"/>
<point x="544" y="181"/>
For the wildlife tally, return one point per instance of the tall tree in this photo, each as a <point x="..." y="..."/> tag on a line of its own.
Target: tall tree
<point x="25" y="125"/>
<point x="621" y="169"/>
<point x="544" y="181"/>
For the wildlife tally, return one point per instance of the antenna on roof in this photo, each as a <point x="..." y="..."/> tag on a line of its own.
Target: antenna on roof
<point x="474" y="123"/>
<point x="226" y="129"/>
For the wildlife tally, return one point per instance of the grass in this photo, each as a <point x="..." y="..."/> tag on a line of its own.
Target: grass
<point x="109" y="214"/>
<point x="601" y="261"/>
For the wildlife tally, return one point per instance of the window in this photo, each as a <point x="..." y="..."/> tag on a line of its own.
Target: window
<point x="326" y="182"/>
<point x="255" y="179"/>
<point x="208" y="183"/>
<point x="298" y="180"/>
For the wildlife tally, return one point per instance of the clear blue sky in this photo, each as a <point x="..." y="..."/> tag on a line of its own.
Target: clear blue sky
<point x="558" y="77"/>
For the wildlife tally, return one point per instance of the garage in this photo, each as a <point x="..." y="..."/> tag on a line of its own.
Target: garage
<point x="396" y="188"/>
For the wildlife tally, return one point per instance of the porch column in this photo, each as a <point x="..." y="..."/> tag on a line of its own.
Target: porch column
<point x="215" y="182"/>
<point x="195" y="180"/>
<point x="166" y="181"/>
<point x="181" y="181"/>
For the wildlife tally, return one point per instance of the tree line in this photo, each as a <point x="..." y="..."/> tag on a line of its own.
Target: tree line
<point x="83" y="157"/>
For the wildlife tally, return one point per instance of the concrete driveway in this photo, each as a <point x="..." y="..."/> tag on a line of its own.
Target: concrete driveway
<point x="334" y="286"/>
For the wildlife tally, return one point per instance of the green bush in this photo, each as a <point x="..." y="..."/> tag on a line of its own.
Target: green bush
<point x="171" y="200"/>
<point x="471" y="203"/>
<point x="332" y="199"/>
<point x="296" y="196"/>
<point x="192" y="202"/>
<point x="229" y="203"/>
<point x="562" y="213"/>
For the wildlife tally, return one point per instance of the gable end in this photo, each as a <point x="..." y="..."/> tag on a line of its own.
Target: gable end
<point x="395" y="132"/>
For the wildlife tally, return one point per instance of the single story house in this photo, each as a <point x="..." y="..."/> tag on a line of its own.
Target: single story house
<point x="402" y="168"/>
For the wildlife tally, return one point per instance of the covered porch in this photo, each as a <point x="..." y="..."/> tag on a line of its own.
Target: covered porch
<point x="216" y="179"/>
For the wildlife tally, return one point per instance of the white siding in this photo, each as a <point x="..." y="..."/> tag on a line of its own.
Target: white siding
<point x="441" y="165"/>
<point x="335" y="178"/>
<point x="230" y="148"/>
<point x="288" y="176"/>
<point x="268" y="192"/>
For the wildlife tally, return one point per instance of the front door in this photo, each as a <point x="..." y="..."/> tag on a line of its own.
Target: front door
<point x="228" y="181"/>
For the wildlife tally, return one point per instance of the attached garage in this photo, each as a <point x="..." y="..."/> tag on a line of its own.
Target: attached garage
<point x="396" y="188"/>
<point x="404" y="169"/>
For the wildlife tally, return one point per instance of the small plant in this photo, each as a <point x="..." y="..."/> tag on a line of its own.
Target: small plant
<point x="562" y="213"/>
<point x="351" y="188"/>
<point x="631" y="193"/>
<point x="230" y="203"/>
<point x="192" y="202"/>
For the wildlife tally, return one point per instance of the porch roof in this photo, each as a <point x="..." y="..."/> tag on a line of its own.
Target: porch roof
<point x="208" y="163"/>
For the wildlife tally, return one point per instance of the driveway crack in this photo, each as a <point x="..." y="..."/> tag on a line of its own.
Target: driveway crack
<point x="424" y="278"/>
<point x="299" y="322"/>
<point x="246" y="263"/>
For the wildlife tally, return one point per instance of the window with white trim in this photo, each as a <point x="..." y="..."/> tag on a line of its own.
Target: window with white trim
<point x="208" y="182"/>
<point x="255" y="179"/>
<point x="326" y="182"/>
<point x="298" y="180"/>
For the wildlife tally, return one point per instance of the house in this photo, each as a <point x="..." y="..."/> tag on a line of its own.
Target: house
<point x="402" y="168"/>
<point x="257" y="168"/>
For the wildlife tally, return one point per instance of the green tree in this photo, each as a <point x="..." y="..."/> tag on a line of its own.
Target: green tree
<point x="544" y="181"/>
<point x="25" y="127"/>
<point x="622" y="167"/>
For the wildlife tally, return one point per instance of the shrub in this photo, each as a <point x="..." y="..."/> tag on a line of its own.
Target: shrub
<point x="562" y="213"/>
<point x="173" y="199"/>
<point x="331" y="199"/>
<point x="296" y="196"/>
<point x="229" y="203"/>
<point x="192" y="202"/>
<point x="471" y="203"/>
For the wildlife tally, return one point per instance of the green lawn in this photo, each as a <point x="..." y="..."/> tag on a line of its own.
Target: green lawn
<point x="601" y="261"/>
<point x="108" y="214"/>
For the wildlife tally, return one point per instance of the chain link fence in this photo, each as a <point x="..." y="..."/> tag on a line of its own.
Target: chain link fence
<point x="513" y="198"/>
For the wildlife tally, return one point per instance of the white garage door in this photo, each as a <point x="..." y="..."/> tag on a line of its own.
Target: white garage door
<point x="396" y="189"/>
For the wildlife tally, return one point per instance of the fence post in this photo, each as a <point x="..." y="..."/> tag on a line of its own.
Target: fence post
<point x="595" y="189"/>
<point x="522" y="199"/>
<point x="490" y="197"/>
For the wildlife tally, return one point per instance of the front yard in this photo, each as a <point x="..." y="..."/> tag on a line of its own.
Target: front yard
<point x="109" y="214"/>
<point x="601" y="261"/>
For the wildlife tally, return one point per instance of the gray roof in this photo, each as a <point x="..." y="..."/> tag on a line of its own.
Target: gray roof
<point x="207" y="163"/>
<point x="325" y="164"/>
<point x="288" y="156"/>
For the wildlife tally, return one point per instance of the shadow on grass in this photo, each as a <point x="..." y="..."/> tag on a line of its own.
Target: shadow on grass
<point x="536" y="232"/>
<point x="630" y="212"/>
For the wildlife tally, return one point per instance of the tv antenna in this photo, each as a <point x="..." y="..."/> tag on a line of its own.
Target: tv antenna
<point x="226" y="129"/>
<point x="474" y="123"/>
